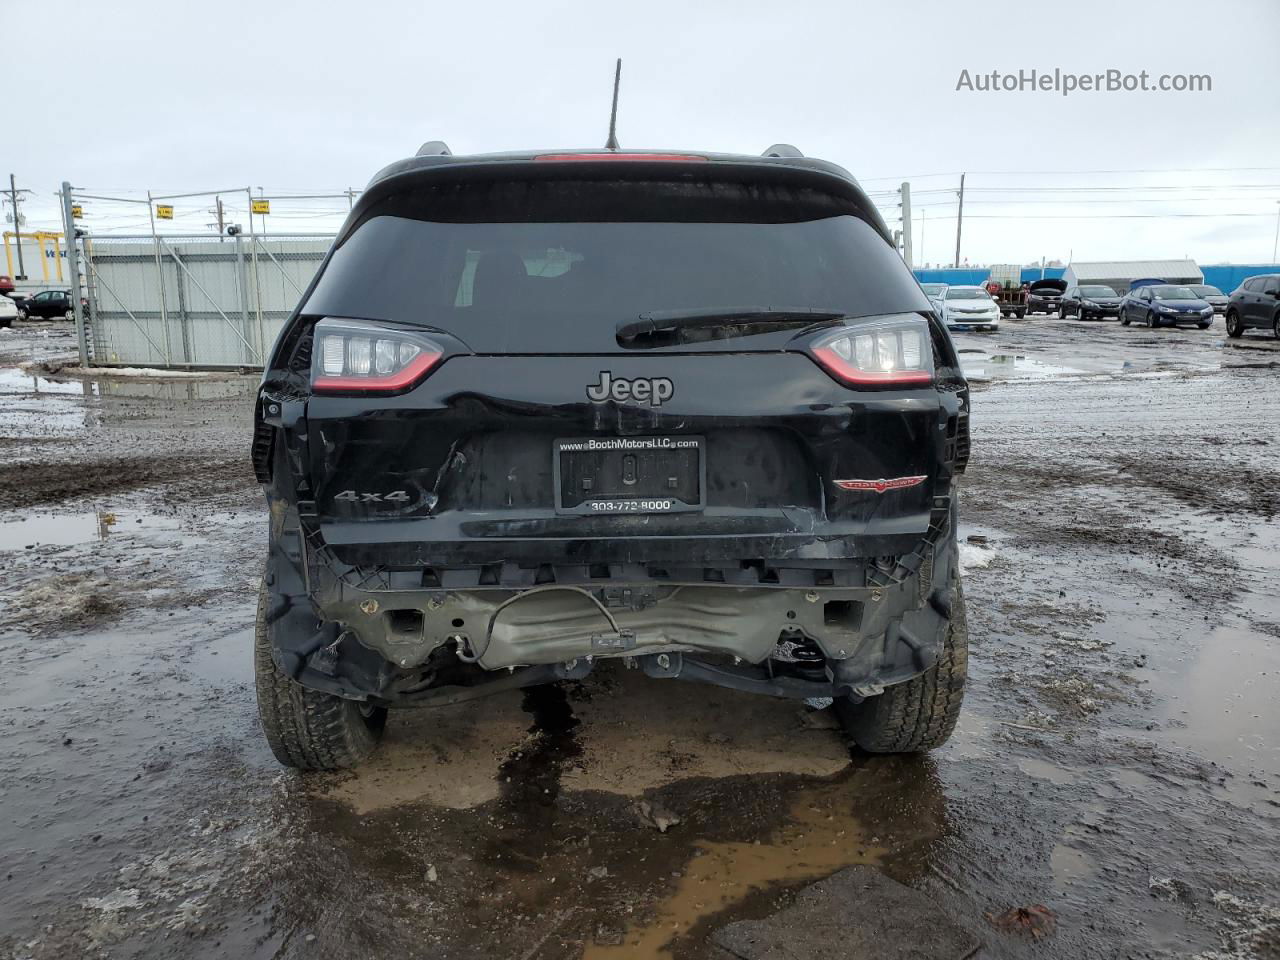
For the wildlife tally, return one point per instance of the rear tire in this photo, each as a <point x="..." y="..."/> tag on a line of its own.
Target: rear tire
<point x="1235" y="329"/>
<point x="305" y="728"/>
<point x="920" y="714"/>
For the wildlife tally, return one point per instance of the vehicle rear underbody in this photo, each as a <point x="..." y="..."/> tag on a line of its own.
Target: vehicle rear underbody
<point x="533" y="416"/>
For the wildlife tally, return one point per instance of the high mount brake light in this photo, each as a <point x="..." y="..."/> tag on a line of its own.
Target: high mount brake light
<point x="878" y="352"/>
<point x="607" y="157"/>
<point x="356" y="356"/>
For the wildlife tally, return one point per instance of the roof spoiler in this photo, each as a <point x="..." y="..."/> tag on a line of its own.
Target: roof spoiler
<point x="434" y="148"/>
<point x="782" y="150"/>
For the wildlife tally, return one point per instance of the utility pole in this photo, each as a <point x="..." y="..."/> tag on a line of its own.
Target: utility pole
<point x="1275" y="244"/>
<point x="263" y="215"/>
<point x="904" y="204"/>
<point x="221" y="221"/>
<point x="924" y="220"/>
<point x="17" y="225"/>
<point x="351" y="195"/>
<point x="959" y="220"/>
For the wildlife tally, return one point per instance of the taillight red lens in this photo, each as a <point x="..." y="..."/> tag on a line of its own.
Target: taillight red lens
<point x="357" y="356"/>
<point x="896" y="350"/>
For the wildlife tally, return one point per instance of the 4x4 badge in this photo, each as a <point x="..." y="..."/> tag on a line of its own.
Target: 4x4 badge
<point x="652" y="391"/>
<point x="880" y="486"/>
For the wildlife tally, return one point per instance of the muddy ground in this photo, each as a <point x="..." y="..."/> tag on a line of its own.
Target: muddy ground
<point x="1118" y="760"/>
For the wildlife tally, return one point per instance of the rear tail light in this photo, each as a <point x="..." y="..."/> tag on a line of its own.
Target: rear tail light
<point x="878" y="352"/>
<point x="362" y="357"/>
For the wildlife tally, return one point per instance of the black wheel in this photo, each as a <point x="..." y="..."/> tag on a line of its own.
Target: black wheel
<point x="1275" y="326"/>
<point x="1203" y="326"/>
<point x="305" y="728"/>
<point x="920" y="714"/>
<point x="1124" y="318"/>
<point x="1151" y="320"/>
<point x="1235" y="328"/>
<point x="69" y="315"/>
<point x="1020" y="314"/>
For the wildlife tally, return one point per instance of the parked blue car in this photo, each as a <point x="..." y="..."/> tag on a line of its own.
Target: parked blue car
<point x="1161" y="304"/>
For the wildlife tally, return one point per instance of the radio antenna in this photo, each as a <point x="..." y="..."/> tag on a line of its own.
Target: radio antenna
<point x="612" y="142"/>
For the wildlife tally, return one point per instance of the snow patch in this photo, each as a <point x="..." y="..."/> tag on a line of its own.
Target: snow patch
<point x="1248" y="929"/>
<point x="974" y="557"/>
<point x="116" y="900"/>
<point x="48" y="370"/>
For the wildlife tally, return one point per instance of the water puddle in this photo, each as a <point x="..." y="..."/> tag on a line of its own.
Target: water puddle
<point x="13" y="380"/>
<point x="1044" y="770"/>
<point x="1227" y="702"/>
<point x="211" y="387"/>
<point x="69" y="529"/>
<point x="1012" y="366"/>
<point x="821" y="837"/>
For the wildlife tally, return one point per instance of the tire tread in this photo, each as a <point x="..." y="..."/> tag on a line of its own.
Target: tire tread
<point x="307" y="729"/>
<point x="920" y="714"/>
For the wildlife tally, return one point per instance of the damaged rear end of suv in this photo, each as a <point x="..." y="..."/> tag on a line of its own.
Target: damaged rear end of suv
<point x="541" y="411"/>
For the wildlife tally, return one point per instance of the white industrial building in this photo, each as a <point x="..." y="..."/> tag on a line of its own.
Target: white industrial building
<point x="1118" y="274"/>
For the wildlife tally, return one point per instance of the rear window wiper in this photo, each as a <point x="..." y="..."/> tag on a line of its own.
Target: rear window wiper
<point x="661" y="321"/>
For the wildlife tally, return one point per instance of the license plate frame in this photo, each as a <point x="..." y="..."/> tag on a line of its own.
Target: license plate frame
<point x="620" y="504"/>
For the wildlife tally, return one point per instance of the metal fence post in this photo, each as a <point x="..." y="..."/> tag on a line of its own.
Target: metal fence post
<point x="73" y="267"/>
<point x="164" y="310"/>
<point x="242" y="281"/>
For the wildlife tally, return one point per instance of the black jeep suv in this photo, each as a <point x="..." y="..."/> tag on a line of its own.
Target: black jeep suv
<point x="539" y="411"/>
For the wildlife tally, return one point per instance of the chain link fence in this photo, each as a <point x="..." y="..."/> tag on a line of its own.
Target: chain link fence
<point x="194" y="301"/>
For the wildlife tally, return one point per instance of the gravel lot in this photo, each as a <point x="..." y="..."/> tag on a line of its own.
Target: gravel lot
<point x="1118" y="761"/>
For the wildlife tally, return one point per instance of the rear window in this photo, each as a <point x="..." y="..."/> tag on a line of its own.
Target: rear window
<point x="536" y="267"/>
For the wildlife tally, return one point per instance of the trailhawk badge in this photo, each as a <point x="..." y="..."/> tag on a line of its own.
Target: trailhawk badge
<point x="651" y="391"/>
<point x="880" y="486"/>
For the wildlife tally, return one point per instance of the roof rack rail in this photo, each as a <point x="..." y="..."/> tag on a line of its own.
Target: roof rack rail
<point x="434" y="148"/>
<point x="782" y="150"/>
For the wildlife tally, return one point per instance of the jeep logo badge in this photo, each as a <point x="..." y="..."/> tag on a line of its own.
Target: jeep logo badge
<point x="652" y="391"/>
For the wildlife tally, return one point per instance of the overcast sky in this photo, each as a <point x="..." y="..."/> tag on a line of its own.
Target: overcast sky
<point x="315" y="97"/>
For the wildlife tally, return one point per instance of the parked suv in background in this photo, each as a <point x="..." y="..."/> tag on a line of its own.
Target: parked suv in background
<point x="1043" y="296"/>
<point x="1255" y="304"/>
<point x="540" y="411"/>
<point x="1089" y="300"/>
<point x="1165" y="303"/>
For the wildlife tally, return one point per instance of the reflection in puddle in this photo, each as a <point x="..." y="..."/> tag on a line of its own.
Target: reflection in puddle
<point x="213" y="387"/>
<point x="1011" y="366"/>
<point x="822" y="837"/>
<point x="68" y="529"/>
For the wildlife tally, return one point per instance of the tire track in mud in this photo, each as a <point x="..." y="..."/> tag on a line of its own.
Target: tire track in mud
<point x="31" y="484"/>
